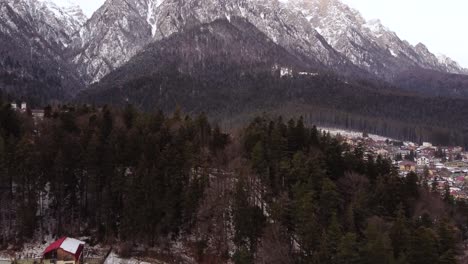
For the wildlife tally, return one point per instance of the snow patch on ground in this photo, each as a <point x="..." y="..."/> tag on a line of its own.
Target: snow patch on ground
<point x="352" y="134"/>
<point x="114" y="259"/>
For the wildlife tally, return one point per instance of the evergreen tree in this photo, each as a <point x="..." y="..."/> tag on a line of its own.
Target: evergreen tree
<point x="399" y="233"/>
<point x="306" y="222"/>
<point x="448" y="257"/>
<point x="378" y="246"/>
<point x="423" y="247"/>
<point x="412" y="185"/>
<point x="447" y="196"/>
<point x="129" y="116"/>
<point x="446" y="240"/>
<point x="348" y="250"/>
<point x="248" y="220"/>
<point x="329" y="200"/>
<point x="329" y="241"/>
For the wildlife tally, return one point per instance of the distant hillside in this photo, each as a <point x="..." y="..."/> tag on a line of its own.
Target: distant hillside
<point x="204" y="70"/>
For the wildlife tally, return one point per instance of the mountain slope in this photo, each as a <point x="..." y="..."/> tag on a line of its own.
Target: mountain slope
<point x="209" y="55"/>
<point x="368" y="44"/>
<point x="230" y="69"/>
<point x="119" y="29"/>
<point x="325" y="31"/>
<point x="114" y="34"/>
<point x="74" y="52"/>
<point x="34" y="42"/>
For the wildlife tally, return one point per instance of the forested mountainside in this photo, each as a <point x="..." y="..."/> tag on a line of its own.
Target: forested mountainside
<point x="279" y="192"/>
<point x="204" y="70"/>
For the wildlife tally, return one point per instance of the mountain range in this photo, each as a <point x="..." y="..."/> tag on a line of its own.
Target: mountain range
<point x="230" y="53"/>
<point x="326" y="32"/>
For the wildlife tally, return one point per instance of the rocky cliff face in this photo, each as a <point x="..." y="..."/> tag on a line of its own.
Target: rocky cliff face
<point x="368" y="44"/>
<point x="119" y="29"/>
<point x="326" y="31"/>
<point x="114" y="34"/>
<point x="35" y="37"/>
<point x="52" y="23"/>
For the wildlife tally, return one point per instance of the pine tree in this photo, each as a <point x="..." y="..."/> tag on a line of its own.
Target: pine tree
<point x="329" y="241"/>
<point x="412" y="185"/>
<point x="446" y="240"/>
<point x="350" y="224"/>
<point x="423" y="247"/>
<point x="399" y="233"/>
<point x="448" y="257"/>
<point x="378" y="247"/>
<point x="329" y="200"/>
<point x="129" y="116"/>
<point x="243" y="256"/>
<point x="348" y="250"/>
<point x="219" y="140"/>
<point x="3" y="154"/>
<point x="248" y="219"/>
<point x="447" y="196"/>
<point x="259" y="162"/>
<point x="305" y="219"/>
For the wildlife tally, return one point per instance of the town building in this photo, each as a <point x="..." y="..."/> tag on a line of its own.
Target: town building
<point x="24" y="107"/>
<point x="38" y="114"/>
<point x="407" y="166"/>
<point x="64" y="251"/>
<point x="423" y="161"/>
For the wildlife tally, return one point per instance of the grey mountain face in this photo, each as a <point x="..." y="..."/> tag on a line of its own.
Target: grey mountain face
<point x="368" y="44"/>
<point x="49" y="22"/>
<point x="114" y="34"/>
<point x="120" y="29"/>
<point x="325" y="32"/>
<point x="35" y="36"/>
<point x="202" y="62"/>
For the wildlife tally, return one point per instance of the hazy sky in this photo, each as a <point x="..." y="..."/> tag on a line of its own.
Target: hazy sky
<point x="88" y="6"/>
<point x="441" y="25"/>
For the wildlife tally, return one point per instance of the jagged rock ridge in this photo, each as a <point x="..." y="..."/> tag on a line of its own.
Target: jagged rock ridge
<point x="324" y="32"/>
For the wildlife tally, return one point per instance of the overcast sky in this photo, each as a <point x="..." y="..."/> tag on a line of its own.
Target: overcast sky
<point x="88" y="6"/>
<point x="441" y="25"/>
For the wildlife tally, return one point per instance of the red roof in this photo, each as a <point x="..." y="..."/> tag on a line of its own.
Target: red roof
<point x="77" y="248"/>
<point x="55" y="245"/>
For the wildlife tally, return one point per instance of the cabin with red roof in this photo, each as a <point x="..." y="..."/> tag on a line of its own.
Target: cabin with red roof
<point x="64" y="251"/>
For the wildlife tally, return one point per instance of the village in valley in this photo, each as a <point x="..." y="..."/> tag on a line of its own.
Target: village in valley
<point x="440" y="167"/>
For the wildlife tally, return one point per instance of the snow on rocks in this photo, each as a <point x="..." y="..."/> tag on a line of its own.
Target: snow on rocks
<point x="114" y="259"/>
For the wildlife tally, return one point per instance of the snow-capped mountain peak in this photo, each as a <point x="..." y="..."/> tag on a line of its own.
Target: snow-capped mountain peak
<point x="55" y="23"/>
<point x="326" y="32"/>
<point x="119" y="29"/>
<point x="68" y="12"/>
<point x="376" y="26"/>
<point x="450" y="63"/>
<point x="368" y="44"/>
